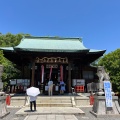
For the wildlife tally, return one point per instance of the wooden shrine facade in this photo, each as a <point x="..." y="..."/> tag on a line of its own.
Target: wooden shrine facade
<point x="69" y="58"/>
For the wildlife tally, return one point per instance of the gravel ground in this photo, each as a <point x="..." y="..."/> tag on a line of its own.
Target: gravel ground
<point x="87" y="116"/>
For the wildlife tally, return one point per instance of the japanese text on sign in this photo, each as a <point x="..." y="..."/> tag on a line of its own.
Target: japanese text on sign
<point x="108" y="95"/>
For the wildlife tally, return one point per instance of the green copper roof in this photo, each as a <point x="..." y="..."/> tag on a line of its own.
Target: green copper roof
<point x="51" y="44"/>
<point x="93" y="50"/>
<point x="7" y="48"/>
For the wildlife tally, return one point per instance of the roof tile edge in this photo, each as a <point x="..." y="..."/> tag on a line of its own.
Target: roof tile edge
<point x="53" y="37"/>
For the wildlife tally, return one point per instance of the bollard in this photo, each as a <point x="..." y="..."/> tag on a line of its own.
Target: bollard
<point x="8" y="99"/>
<point x="91" y="99"/>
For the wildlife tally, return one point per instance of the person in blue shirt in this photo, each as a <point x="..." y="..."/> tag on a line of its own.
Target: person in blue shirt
<point x="62" y="87"/>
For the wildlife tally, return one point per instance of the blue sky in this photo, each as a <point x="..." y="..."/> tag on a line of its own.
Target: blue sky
<point x="96" y="21"/>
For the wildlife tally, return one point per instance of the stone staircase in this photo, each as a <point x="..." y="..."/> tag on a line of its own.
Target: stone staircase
<point x="78" y="100"/>
<point x="54" y="101"/>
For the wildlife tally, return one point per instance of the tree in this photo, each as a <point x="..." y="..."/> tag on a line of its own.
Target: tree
<point x="10" y="69"/>
<point x="111" y="62"/>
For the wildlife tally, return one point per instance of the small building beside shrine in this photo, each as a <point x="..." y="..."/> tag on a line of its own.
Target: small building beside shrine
<point x="60" y="59"/>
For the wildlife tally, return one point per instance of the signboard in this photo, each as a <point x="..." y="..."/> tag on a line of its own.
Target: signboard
<point x="46" y="88"/>
<point x="73" y="82"/>
<point x="13" y="82"/>
<point x="26" y="82"/>
<point x="108" y="95"/>
<point x="56" y="88"/>
<point x="78" y="82"/>
<point x="20" y="82"/>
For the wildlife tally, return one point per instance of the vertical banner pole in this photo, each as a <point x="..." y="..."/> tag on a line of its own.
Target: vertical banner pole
<point x="42" y="77"/>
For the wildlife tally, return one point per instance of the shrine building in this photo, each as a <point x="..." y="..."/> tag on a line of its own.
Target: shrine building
<point x="60" y="59"/>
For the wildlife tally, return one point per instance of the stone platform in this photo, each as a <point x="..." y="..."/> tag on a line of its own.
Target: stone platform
<point x="50" y="110"/>
<point x="50" y="117"/>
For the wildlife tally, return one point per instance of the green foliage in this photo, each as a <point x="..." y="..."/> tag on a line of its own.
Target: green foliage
<point x="2" y="59"/>
<point x="10" y="69"/>
<point x="10" y="40"/>
<point x="111" y="62"/>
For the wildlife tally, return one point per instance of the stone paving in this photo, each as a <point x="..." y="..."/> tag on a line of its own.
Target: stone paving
<point x="50" y="110"/>
<point x="51" y="117"/>
<point x="12" y="115"/>
<point x="87" y="116"/>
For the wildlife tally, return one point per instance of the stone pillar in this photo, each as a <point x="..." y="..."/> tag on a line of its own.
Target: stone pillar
<point x="3" y="108"/>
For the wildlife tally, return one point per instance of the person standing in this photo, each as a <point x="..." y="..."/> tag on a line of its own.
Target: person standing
<point x="32" y="92"/>
<point x="62" y="87"/>
<point x="50" y="88"/>
<point x="33" y="102"/>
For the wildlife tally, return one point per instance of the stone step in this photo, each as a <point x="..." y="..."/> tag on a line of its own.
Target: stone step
<point x="17" y="101"/>
<point x="54" y="105"/>
<point x="54" y="98"/>
<point x="53" y="101"/>
<point x="82" y="101"/>
<point x="17" y="98"/>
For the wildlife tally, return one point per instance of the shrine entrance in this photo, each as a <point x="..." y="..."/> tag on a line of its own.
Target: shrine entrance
<point x="51" y="68"/>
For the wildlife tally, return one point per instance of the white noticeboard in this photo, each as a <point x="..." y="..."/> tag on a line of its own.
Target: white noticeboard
<point x="108" y="95"/>
<point x="73" y="82"/>
<point x="13" y="82"/>
<point x="80" y="82"/>
<point x="56" y="88"/>
<point x="46" y="88"/>
<point x="19" y="81"/>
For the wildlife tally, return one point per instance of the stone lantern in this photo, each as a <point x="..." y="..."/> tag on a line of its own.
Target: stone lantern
<point x="3" y="108"/>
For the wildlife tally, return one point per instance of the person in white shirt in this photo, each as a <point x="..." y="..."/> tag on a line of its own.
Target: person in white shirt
<point x="33" y="101"/>
<point x="50" y="88"/>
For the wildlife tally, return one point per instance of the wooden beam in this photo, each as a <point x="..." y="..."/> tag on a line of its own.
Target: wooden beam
<point x="33" y="73"/>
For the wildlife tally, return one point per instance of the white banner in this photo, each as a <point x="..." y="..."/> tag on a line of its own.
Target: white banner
<point x="42" y="77"/>
<point x="108" y="95"/>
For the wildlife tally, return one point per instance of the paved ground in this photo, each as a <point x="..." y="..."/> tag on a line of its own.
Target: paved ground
<point x="87" y="116"/>
<point x="50" y="110"/>
<point x="12" y="115"/>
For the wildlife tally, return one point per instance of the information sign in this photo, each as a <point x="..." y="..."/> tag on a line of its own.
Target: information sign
<point x="78" y="82"/>
<point x="13" y="82"/>
<point x="108" y="95"/>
